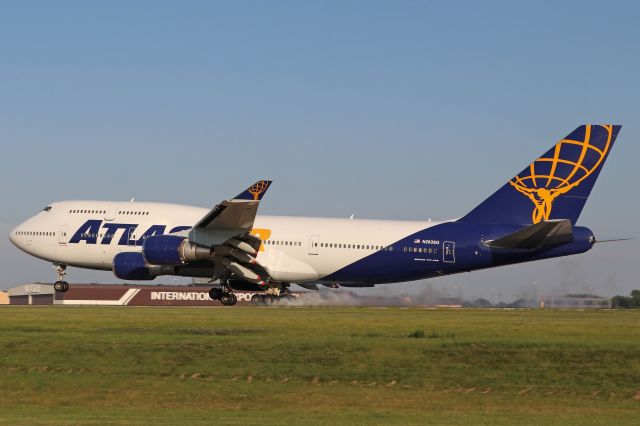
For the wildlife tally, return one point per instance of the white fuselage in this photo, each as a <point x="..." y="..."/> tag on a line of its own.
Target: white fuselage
<point x="89" y="234"/>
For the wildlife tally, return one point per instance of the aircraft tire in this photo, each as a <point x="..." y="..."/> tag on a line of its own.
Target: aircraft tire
<point x="215" y="294"/>
<point x="229" y="299"/>
<point x="61" y="286"/>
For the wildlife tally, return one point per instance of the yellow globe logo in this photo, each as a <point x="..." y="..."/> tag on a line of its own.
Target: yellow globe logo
<point x="560" y="170"/>
<point x="258" y="188"/>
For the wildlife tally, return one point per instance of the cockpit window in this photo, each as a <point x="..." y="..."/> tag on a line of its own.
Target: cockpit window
<point x="46" y="209"/>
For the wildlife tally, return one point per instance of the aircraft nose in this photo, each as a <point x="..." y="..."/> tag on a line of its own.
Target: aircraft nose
<point x="12" y="237"/>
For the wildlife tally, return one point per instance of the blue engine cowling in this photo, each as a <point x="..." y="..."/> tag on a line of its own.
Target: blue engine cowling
<point x="163" y="249"/>
<point x="131" y="266"/>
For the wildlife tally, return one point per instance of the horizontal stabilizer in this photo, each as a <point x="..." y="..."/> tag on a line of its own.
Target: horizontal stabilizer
<point x="543" y="234"/>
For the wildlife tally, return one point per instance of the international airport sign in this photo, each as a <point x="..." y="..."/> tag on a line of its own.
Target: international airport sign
<point x="141" y="295"/>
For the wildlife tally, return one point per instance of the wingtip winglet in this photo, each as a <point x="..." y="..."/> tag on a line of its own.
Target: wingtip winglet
<point x="255" y="192"/>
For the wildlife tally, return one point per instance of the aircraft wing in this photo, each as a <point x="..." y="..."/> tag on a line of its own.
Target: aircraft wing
<point x="230" y="218"/>
<point x="543" y="234"/>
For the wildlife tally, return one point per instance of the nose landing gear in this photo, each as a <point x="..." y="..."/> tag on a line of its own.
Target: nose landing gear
<point x="60" y="285"/>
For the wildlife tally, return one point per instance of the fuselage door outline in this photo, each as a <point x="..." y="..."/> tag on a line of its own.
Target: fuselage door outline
<point x="449" y="251"/>
<point x="110" y="214"/>
<point x="314" y="243"/>
<point x="131" y="240"/>
<point x="63" y="238"/>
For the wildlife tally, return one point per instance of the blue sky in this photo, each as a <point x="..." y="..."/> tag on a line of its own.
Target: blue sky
<point x="400" y="110"/>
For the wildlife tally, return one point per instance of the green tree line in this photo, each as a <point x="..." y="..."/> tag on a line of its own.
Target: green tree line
<point x="627" y="302"/>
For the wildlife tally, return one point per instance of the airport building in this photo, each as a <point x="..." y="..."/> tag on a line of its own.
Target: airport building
<point x="198" y="295"/>
<point x="118" y="295"/>
<point x="31" y="294"/>
<point x="195" y="295"/>
<point x="578" y="302"/>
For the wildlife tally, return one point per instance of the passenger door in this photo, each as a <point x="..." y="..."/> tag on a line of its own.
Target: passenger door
<point x="131" y="236"/>
<point x="110" y="214"/>
<point x="449" y="252"/>
<point x="314" y="242"/>
<point x="63" y="238"/>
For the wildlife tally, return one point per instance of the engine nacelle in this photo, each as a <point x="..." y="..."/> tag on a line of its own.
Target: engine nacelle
<point x="172" y="250"/>
<point x="131" y="266"/>
<point x="163" y="249"/>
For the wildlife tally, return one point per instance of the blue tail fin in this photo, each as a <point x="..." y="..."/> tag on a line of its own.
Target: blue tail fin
<point x="255" y="191"/>
<point x="556" y="185"/>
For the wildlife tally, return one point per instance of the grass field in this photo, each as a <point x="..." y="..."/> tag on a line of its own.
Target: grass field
<point x="91" y="365"/>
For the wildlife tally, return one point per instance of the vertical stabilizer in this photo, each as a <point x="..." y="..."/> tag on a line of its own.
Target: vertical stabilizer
<point x="554" y="186"/>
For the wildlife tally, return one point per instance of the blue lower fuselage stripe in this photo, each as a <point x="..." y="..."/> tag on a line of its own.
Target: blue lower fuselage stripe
<point x="445" y="249"/>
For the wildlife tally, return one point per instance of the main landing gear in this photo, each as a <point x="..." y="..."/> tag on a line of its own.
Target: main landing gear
<point x="60" y="285"/>
<point x="271" y="295"/>
<point x="224" y="294"/>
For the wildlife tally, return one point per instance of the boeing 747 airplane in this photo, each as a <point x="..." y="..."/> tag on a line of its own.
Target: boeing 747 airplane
<point x="531" y="217"/>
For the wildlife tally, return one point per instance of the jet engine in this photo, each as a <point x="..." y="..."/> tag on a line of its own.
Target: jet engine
<point x="131" y="266"/>
<point x="175" y="250"/>
<point x="160" y="252"/>
<point x="172" y="250"/>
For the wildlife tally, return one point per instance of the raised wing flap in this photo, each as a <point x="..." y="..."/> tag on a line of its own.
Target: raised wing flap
<point x="230" y="218"/>
<point x="543" y="234"/>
